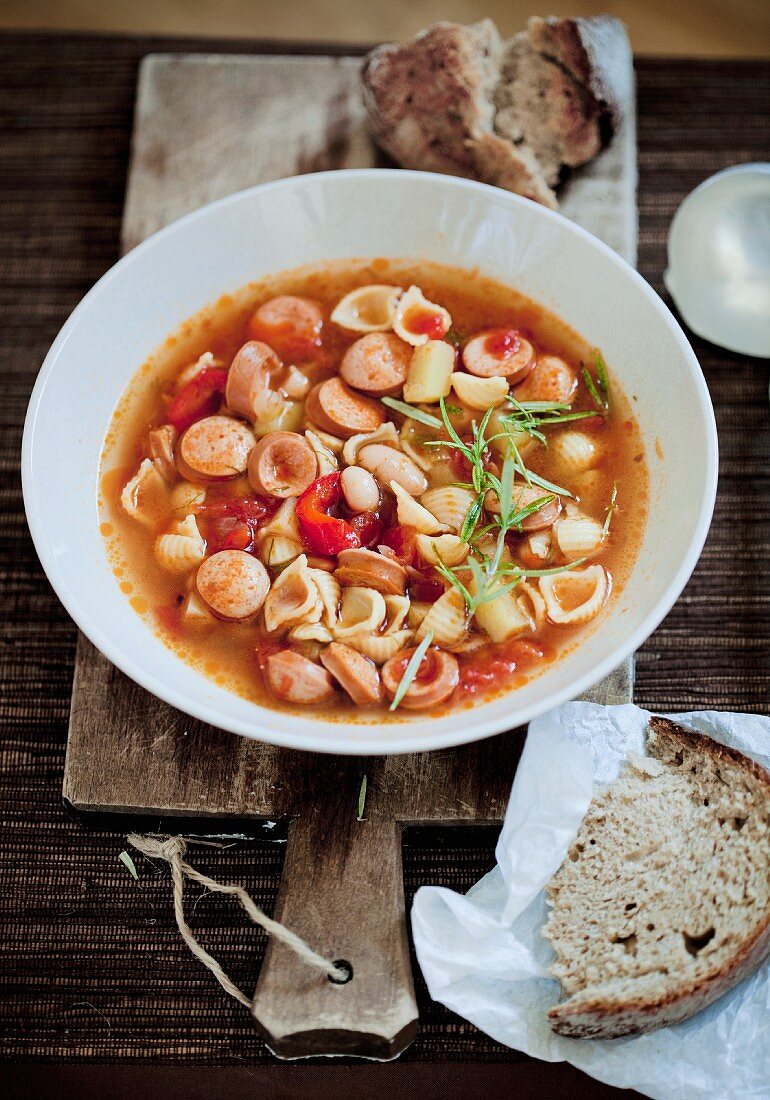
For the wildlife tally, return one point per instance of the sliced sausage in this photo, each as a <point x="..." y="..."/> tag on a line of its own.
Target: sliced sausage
<point x="161" y="444"/>
<point x="356" y="674"/>
<point x="215" y="447"/>
<point x="335" y="408"/>
<point x="377" y="364"/>
<point x="387" y="464"/>
<point x="360" y="490"/>
<point x="282" y="464"/>
<point x="289" y="324"/>
<point x="233" y="583"/>
<point x="251" y="372"/>
<point x="523" y="496"/>
<point x="296" y="679"/>
<point x="551" y="380"/>
<point x="369" y="569"/>
<point x="499" y="352"/>
<point x="436" y="679"/>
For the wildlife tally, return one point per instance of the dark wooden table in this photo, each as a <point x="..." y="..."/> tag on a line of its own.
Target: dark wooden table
<point x="99" y="996"/>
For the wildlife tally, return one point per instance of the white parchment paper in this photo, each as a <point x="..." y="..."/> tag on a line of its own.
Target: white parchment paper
<point x="483" y="956"/>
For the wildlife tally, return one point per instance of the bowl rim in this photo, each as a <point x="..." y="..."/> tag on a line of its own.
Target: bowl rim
<point x="358" y="738"/>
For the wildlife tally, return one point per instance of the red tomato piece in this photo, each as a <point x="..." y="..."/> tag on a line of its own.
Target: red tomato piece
<point x="233" y="524"/>
<point x="425" y="322"/>
<point x="368" y="527"/>
<point x="322" y="531"/>
<point x="497" y="664"/>
<point x="426" y="590"/>
<point x="403" y="542"/>
<point x="202" y="396"/>
<point x="502" y="343"/>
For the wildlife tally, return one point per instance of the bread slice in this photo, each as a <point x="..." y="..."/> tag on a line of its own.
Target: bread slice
<point x="459" y="100"/>
<point x="663" y="901"/>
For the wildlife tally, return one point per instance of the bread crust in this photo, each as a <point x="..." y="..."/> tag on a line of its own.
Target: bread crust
<point x="607" y="1018"/>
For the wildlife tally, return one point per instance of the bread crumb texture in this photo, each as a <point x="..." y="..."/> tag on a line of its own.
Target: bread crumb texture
<point x="663" y="901"/>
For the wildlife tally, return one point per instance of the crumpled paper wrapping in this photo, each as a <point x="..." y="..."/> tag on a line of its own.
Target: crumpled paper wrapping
<point x="483" y="956"/>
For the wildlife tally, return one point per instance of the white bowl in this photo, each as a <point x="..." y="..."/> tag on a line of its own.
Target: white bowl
<point x="333" y="215"/>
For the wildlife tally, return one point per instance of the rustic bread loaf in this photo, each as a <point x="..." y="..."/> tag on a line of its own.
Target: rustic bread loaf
<point x="459" y="100"/>
<point x="663" y="901"/>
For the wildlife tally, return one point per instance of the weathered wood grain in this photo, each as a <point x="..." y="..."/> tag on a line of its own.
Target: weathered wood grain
<point x="205" y="127"/>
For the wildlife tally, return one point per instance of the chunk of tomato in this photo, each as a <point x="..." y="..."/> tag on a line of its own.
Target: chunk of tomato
<point x="202" y="396"/>
<point x="232" y="524"/>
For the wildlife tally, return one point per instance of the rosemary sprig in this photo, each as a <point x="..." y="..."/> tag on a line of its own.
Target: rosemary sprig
<point x="362" y="800"/>
<point x="411" y="669"/>
<point x="413" y="413"/>
<point x="610" y="510"/>
<point x="599" y="388"/>
<point x="129" y="864"/>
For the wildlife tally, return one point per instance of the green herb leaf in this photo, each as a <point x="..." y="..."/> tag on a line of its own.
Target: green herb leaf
<point x="454" y="337"/>
<point x="411" y="669"/>
<point x="128" y="862"/>
<point x="604" y="381"/>
<point x="361" y="800"/>
<point x="610" y="510"/>
<point x="454" y="410"/>
<point x="472" y="517"/>
<point x="591" y="387"/>
<point x="413" y="413"/>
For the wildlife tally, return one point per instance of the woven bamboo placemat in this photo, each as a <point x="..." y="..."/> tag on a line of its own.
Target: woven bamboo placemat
<point x="90" y="963"/>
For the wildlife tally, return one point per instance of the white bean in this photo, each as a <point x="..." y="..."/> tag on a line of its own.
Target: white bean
<point x="359" y="489"/>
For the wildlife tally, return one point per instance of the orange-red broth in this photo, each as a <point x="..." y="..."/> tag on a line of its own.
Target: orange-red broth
<point x="230" y="653"/>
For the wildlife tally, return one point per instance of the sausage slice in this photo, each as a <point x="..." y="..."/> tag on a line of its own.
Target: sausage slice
<point x="233" y="583"/>
<point x="290" y="324"/>
<point x="377" y="364"/>
<point x="296" y="679"/>
<point x="356" y="674"/>
<point x="250" y="372"/>
<point x="499" y="352"/>
<point x="216" y="447"/>
<point x="282" y="464"/>
<point x="436" y="679"/>
<point x="336" y="409"/>
<point x="551" y="380"/>
<point x="368" y="569"/>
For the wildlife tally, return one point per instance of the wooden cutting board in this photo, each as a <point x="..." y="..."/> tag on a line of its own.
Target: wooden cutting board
<point x="207" y="126"/>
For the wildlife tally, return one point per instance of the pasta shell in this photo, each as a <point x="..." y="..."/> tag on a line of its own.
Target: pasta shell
<point x="182" y="549"/>
<point x="579" y="535"/>
<point x="380" y="647"/>
<point x="589" y="586"/>
<point x="430" y="373"/>
<point x="449" y="549"/>
<point x="327" y="463"/>
<point x="283" y="523"/>
<point x="417" y="612"/>
<point x="368" y="308"/>
<point x="411" y="304"/>
<point x="412" y="514"/>
<point x="146" y="497"/>
<point x="576" y="451"/>
<point x="479" y="393"/>
<point x="501" y="436"/>
<point x="205" y="362"/>
<point x="397" y="608"/>
<point x="447" y="618"/>
<point x="195" y="612"/>
<point x="386" y="434"/>
<point x="449" y="505"/>
<point x="331" y="442"/>
<point x="504" y="617"/>
<point x="293" y="598"/>
<point x="330" y="590"/>
<point x="311" y="632"/>
<point x="185" y="496"/>
<point x="362" y="611"/>
<point x="532" y="604"/>
<point x="276" y="550"/>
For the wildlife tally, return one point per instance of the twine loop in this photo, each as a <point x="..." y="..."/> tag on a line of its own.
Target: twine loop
<point x="172" y="850"/>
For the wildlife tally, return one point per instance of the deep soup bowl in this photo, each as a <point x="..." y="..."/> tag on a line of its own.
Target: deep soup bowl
<point x="334" y="215"/>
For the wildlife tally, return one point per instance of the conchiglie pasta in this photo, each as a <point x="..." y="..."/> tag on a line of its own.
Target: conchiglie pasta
<point x="380" y="647"/>
<point x="329" y="590"/>
<point x="368" y="308"/>
<point x="311" y="632"/>
<point x="385" y="434"/>
<point x="397" y="612"/>
<point x="146" y="496"/>
<point x="417" y="612"/>
<point x="501" y="437"/>
<point x="479" y="393"/>
<point x="449" y="505"/>
<point x="447" y="618"/>
<point x="277" y="550"/>
<point x="576" y="595"/>
<point x="278" y="415"/>
<point x="575" y="451"/>
<point x="185" y="496"/>
<point x="579" y="535"/>
<point x="411" y="443"/>
<point x="195" y="612"/>
<point x="326" y="459"/>
<point x="182" y="549"/>
<point x="283" y="523"/>
<point x="412" y="514"/>
<point x="362" y="611"/>
<point x="449" y="549"/>
<point x="412" y="303"/>
<point x="293" y="598"/>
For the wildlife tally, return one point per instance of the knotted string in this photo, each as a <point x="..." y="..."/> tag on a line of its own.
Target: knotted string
<point x="172" y="850"/>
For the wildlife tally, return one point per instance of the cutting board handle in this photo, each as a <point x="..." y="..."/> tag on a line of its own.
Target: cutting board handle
<point x="342" y="892"/>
